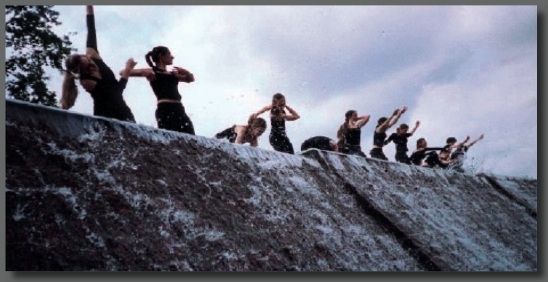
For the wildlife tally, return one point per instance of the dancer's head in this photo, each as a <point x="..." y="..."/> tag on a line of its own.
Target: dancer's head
<point x="159" y="55"/>
<point x="349" y="115"/>
<point x="257" y="127"/>
<point x="421" y="143"/>
<point x="76" y="66"/>
<point x="403" y="128"/>
<point x="451" y="140"/>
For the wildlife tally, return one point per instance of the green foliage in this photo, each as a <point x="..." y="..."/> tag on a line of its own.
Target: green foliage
<point x="32" y="46"/>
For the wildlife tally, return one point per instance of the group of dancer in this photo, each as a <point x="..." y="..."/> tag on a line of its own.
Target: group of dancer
<point x="99" y="80"/>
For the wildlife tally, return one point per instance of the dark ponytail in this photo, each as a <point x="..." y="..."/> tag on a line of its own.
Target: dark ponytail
<point x="344" y="127"/>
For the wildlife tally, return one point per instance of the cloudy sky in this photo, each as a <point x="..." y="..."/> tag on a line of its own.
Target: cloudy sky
<point x="461" y="70"/>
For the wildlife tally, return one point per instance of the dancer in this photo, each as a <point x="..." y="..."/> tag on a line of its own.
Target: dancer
<point x="417" y="157"/>
<point x="278" y="137"/>
<point x="458" y="155"/>
<point x="96" y="78"/>
<point x="241" y="134"/>
<point x="320" y="143"/>
<point x="349" y="133"/>
<point x="170" y="113"/>
<point x="441" y="160"/>
<point x="379" y="136"/>
<point x="400" y="138"/>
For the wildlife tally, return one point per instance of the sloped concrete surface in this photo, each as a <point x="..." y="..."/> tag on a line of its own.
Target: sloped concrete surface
<point x="87" y="193"/>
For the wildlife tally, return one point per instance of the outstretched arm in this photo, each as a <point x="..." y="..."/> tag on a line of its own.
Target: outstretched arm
<point x="474" y="142"/>
<point x="458" y="145"/>
<point x="293" y="115"/>
<point x="415" y="128"/>
<point x="363" y="120"/>
<point x="91" y="41"/>
<point x="126" y="72"/>
<point x="390" y="138"/>
<point x="261" y="111"/>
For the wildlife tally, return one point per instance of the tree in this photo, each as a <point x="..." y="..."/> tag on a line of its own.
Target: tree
<point x="33" y="47"/>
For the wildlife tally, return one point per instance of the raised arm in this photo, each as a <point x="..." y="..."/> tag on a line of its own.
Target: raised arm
<point x="363" y="120"/>
<point x="386" y="124"/>
<point x="91" y="41"/>
<point x="397" y="117"/>
<point x="293" y="115"/>
<point x="474" y="142"/>
<point x="261" y="111"/>
<point x="415" y="128"/>
<point x="458" y="145"/>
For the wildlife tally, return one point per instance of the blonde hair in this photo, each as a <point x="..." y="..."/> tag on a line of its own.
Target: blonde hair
<point x="69" y="92"/>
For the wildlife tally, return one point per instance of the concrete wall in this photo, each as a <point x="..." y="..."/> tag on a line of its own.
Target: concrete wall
<point x="87" y="193"/>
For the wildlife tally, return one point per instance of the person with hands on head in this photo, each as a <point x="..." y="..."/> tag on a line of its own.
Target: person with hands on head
<point x="96" y="78"/>
<point x="278" y="136"/>
<point x="379" y="135"/>
<point x="241" y="134"/>
<point x="400" y="138"/>
<point x="170" y="113"/>
<point x="349" y="133"/>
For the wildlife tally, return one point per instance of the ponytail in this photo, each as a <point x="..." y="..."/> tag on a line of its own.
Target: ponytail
<point x="344" y="127"/>
<point x="69" y="91"/>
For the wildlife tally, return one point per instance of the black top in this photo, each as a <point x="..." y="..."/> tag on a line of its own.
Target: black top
<point x="352" y="136"/>
<point x="418" y="156"/>
<point x="107" y="94"/>
<point x="165" y="85"/>
<point x="229" y="133"/>
<point x="278" y="125"/>
<point x="317" y="142"/>
<point x="399" y="140"/>
<point x="378" y="139"/>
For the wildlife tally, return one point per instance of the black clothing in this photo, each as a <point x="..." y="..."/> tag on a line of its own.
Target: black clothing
<point x="317" y="142"/>
<point x="401" y="146"/>
<point x="165" y="85"/>
<point x="229" y="133"/>
<point x="107" y="94"/>
<point x="417" y="156"/>
<point x="377" y="153"/>
<point x="433" y="160"/>
<point x="351" y="142"/>
<point x="172" y="116"/>
<point x="278" y="138"/>
<point x="378" y="139"/>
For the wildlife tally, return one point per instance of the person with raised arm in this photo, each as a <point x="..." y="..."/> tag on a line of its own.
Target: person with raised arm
<point x="422" y="151"/>
<point x="349" y="133"/>
<point x="278" y="136"/>
<point x="458" y="155"/>
<point x="170" y="113"/>
<point x="96" y="78"/>
<point x="400" y="138"/>
<point x="379" y="135"/>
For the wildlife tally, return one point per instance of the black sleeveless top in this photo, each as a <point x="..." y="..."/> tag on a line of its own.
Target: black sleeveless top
<point x="165" y="85"/>
<point x="107" y="94"/>
<point x="352" y="136"/>
<point x="378" y="139"/>
<point x="278" y="125"/>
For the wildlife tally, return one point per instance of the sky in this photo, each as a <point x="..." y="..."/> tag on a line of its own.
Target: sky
<point x="460" y="70"/>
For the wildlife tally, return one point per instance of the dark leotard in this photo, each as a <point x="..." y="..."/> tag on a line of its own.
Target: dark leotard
<point x="352" y="139"/>
<point x="170" y="116"/>
<point x="417" y="156"/>
<point x="378" y="140"/>
<point x="317" y="142"/>
<point x="229" y="133"/>
<point x="278" y="138"/>
<point x="107" y="94"/>
<point x="401" y="146"/>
